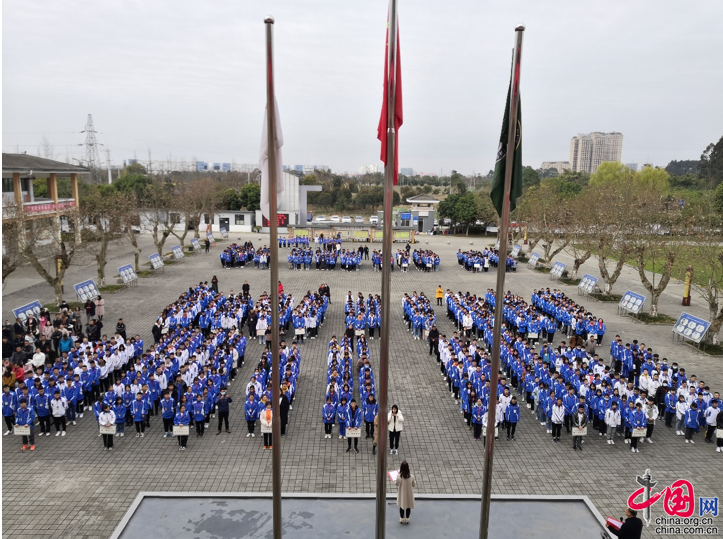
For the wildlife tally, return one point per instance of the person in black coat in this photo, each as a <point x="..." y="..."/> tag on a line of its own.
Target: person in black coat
<point x="284" y="411"/>
<point x="632" y="527"/>
<point x="157" y="331"/>
<point x="434" y="341"/>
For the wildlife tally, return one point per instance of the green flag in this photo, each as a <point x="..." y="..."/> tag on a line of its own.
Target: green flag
<point x="498" y="181"/>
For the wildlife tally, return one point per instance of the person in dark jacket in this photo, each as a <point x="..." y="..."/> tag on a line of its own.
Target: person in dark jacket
<point x="434" y="341"/>
<point x="120" y="329"/>
<point x="284" y="411"/>
<point x="222" y="407"/>
<point x="632" y="527"/>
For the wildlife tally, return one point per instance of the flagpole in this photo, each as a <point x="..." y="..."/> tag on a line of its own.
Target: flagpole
<point x="381" y="516"/>
<point x="500" y="291"/>
<point x="274" y="271"/>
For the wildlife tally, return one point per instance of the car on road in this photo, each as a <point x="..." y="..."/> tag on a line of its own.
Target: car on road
<point x="374" y="220"/>
<point x="346" y="219"/>
<point x="320" y="218"/>
<point x="358" y="219"/>
<point x="335" y="219"/>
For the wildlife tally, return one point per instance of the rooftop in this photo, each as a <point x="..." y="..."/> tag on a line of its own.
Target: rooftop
<point x="423" y="199"/>
<point x="30" y="164"/>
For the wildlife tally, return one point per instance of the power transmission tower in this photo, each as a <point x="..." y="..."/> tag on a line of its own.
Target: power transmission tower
<point x="91" y="147"/>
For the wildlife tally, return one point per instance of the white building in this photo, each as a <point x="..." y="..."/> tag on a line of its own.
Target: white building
<point x="559" y="166"/>
<point x="588" y="151"/>
<point x="367" y="169"/>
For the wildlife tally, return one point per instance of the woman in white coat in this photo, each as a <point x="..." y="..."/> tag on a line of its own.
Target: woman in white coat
<point x="395" y="423"/>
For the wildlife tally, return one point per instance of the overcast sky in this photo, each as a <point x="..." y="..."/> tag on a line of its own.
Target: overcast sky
<point x="185" y="79"/>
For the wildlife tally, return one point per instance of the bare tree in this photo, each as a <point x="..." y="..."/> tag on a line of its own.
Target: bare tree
<point x="47" y="148"/>
<point x="50" y="245"/>
<point x="102" y="213"/>
<point x="162" y="220"/>
<point x="13" y="245"/>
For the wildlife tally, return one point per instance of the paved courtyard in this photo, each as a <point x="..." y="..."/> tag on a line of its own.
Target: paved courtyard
<point x="70" y="487"/>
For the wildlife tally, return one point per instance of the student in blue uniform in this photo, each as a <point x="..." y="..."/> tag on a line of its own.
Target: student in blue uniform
<point x="691" y="422"/>
<point x="26" y="416"/>
<point x="354" y="419"/>
<point x="199" y="414"/>
<point x="328" y="414"/>
<point x="182" y="419"/>
<point x="168" y="413"/>
<point x="341" y="416"/>
<point x="251" y="412"/>
<point x="478" y="411"/>
<point x="10" y="405"/>
<point x="370" y="408"/>
<point x="119" y="409"/>
<point x="512" y="417"/>
<point x="138" y="413"/>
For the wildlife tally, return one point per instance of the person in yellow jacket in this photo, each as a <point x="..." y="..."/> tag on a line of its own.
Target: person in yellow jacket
<point x="440" y="294"/>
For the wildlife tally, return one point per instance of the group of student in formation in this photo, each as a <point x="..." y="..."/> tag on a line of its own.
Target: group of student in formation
<point x="341" y="405"/>
<point x="362" y="314"/>
<point x="481" y="261"/>
<point x="237" y="256"/>
<point x="569" y="385"/>
<point x="294" y="241"/>
<point x="423" y="259"/>
<point x="304" y="259"/>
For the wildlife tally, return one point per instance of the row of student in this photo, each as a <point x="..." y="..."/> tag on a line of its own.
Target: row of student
<point x="478" y="261"/>
<point x="585" y="380"/>
<point x="302" y="259"/>
<point x="237" y="256"/>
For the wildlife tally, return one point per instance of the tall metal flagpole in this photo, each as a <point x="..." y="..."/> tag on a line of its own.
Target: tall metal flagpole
<point x="382" y="434"/>
<point x="500" y="291"/>
<point x="274" y="271"/>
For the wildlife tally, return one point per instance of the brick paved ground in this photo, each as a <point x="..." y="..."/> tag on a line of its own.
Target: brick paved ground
<point x="70" y="487"/>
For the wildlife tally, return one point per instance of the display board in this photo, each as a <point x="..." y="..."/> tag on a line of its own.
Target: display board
<point x="31" y="308"/>
<point x="127" y="273"/>
<point x="196" y="244"/>
<point x="224" y="233"/>
<point x="282" y="220"/>
<point x="86" y="290"/>
<point x="587" y="283"/>
<point x="691" y="327"/>
<point x="533" y="260"/>
<point x="156" y="261"/>
<point x="516" y="251"/>
<point x="177" y="251"/>
<point x="632" y="302"/>
<point x="210" y="237"/>
<point x="557" y="270"/>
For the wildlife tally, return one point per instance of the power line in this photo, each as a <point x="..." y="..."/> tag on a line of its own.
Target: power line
<point x="91" y="145"/>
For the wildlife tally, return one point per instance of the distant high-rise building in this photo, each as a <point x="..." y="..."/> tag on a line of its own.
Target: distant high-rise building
<point x="632" y="166"/>
<point x="367" y="169"/>
<point x="559" y="166"/>
<point x="588" y="151"/>
<point x="407" y="171"/>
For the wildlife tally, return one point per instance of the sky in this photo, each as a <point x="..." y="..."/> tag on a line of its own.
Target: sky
<point x="184" y="80"/>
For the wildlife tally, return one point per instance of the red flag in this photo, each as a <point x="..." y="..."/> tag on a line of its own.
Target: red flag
<point x="382" y="129"/>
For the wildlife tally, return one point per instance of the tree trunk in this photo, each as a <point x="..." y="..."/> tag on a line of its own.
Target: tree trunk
<point x="58" y="288"/>
<point x="579" y="262"/>
<point x="531" y="245"/>
<point x="655" y="291"/>
<point x="607" y="278"/>
<point x="102" y="259"/>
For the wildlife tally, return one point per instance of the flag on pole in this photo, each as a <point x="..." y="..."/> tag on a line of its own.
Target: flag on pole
<point x="382" y="128"/>
<point x="498" y="182"/>
<point x="264" y="162"/>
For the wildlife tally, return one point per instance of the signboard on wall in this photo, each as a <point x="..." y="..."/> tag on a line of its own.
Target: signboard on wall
<point x="282" y="220"/>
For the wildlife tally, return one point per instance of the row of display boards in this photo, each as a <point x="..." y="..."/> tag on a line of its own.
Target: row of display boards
<point x="687" y="327"/>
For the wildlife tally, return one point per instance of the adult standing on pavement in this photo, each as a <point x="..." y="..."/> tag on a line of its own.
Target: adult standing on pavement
<point x="434" y="341"/>
<point x="222" y="405"/>
<point x="99" y="307"/>
<point x="284" y="406"/>
<point x="120" y="329"/>
<point x="90" y="308"/>
<point x="207" y="243"/>
<point x="405" y="492"/>
<point x="395" y="422"/>
<point x="246" y="288"/>
<point x="214" y="284"/>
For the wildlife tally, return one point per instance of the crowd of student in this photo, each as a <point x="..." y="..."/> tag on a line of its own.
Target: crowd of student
<point x="303" y="259"/>
<point x="569" y="385"/>
<point x="235" y="256"/>
<point x="478" y="261"/>
<point x="362" y="314"/>
<point x="423" y="259"/>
